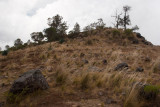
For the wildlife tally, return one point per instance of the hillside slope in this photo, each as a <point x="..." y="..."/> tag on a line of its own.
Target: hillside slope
<point x="81" y="71"/>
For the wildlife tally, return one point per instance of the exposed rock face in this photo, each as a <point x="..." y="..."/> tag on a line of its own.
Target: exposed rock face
<point x="121" y="66"/>
<point x="31" y="81"/>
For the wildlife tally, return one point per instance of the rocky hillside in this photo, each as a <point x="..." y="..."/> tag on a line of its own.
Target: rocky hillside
<point x="108" y="68"/>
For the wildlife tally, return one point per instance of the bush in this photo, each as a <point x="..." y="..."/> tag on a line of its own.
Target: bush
<point x="128" y="32"/>
<point x="61" y="41"/>
<point x="149" y="92"/>
<point x="61" y="78"/>
<point x="4" y="53"/>
<point x="115" y="32"/>
<point x="89" y="42"/>
<point x="85" y="82"/>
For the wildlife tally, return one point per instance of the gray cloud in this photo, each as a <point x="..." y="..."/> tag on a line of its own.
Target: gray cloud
<point x="19" y="18"/>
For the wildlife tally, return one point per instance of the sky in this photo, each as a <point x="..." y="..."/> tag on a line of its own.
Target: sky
<point x="19" y="18"/>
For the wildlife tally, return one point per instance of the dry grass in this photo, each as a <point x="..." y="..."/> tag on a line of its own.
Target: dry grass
<point x="64" y="68"/>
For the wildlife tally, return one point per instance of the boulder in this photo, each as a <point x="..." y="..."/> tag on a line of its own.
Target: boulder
<point x="121" y="66"/>
<point x="139" y="36"/>
<point x="85" y="61"/>
<point x="31" y="81"/>
<point x="139" y="69"/>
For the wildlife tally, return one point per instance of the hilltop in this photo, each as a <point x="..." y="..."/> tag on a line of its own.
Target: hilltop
<point x="82" y="71"/>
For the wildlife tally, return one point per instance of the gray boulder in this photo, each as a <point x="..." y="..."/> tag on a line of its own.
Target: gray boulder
<point x="31" y="81"/>
<point x="121" y="66"/>
<point x="139" y="69"/>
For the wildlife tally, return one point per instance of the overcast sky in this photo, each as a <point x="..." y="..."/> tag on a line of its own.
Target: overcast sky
<point x="19" y="18"/>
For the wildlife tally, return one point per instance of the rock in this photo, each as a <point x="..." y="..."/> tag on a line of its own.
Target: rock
<point x="139" y="36"/>
<point x="82" y="55"/>
<point x="135" y="41"/>
<point x="94" y="69"/>
<point x="31" y="81"/>
<point x="85" y="61"/>
<point x="110" y="101"/>
<point x="104" y="61"/>
<point x="139" y="69"/>
<point x="121" y="66"/>
<point x="147" y="59"/>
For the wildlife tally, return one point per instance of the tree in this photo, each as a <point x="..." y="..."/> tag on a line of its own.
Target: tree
<point x="7" y="47"/>
<point x="57" y="28"/>
<point x="76" y="28"/>
<point x="28" y="42"/>
<point x="0" y="49"/>
<point x="117" y="20"/>
<point x="135" y="28"/>
<point x="18" y="42"/>
<point x="37" y="37"/>
<point x="51" y="34"/>
<point x="100" y="24"/>
<point x="126" y="19"/>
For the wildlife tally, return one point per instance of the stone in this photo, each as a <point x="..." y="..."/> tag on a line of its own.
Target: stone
<point x="82" y="55"/>
<point x="139" y="69"/>
<point x="147" y="59"/>
<point x="139" y="36"/>
<point x="104" y="61"/>
<point x="135" y="41"/>
<point x="85" y="61"/>
<point x="31" y="81"/>
<point x="121" y="66"/>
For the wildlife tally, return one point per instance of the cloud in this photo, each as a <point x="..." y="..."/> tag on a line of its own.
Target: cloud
<point x="19" y="18"/>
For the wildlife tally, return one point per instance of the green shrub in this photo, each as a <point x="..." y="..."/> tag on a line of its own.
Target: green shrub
<point x="128" y="32"/>
<point x="116" y="32"/>
<point x="149" y="92"/>
<point x="61" y="41"/>
<point x="4" y="53"/>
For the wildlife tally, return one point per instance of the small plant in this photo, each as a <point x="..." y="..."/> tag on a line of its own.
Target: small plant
<point x="4" y="53"/>
<point x="89" y="42"/>
<point x="85" y="82"/>
<point x="61" y="41"/>
<point x="116" y="32"/>
<point x="128" y="32"/>
<point x="149" y="92"/>
<point x="61" y="78"/>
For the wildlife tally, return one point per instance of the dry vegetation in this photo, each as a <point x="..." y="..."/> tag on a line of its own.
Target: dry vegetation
<point x="77" y="75"/>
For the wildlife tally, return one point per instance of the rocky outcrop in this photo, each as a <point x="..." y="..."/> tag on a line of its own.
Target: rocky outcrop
<point x="31" y="81"/>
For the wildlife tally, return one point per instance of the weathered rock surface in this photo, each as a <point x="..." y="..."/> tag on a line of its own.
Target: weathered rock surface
<point x="121" y="66"/>
<point x="31" y="81"/>
<point x="139" y="69"/>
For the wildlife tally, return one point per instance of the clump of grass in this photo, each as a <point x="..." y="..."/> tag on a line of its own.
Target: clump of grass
<point x="116" y="32"/>
<point x="128" y="32"/>
<point x="16" y="98"/>
<point x="85" y="82"/>
<point x="151" y="88"/>
<point x="61" y="78"/>
<point x="89" y="42"/>
<point x="156" y="68"/>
